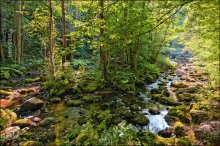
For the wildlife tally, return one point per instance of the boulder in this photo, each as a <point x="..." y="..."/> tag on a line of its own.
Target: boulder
<point x="166" y="132"/>
<point x="164" y="100"/>
<point x="47" y="121"/>
<point x="185" y="97"/>
<point x="9" y="132"/>
<point x="154" y="111"/>
<point x="5" y="93"/>
<point x="179" y="84"/>
<point x="32" y="104"/>
<point x="179" y="129"/>
<point x="140" y="119"/>
<point x="199" y="116"/>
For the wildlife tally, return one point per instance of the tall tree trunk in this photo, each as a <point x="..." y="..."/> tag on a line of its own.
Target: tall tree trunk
<point x="22" y="33"/>
<point x="51" y="39"/>
<point x="136" y="54"/>
<point x="2" y="34"/>
<point x="116" y="40"/>
<point x="63" y="31"/>
<point x="124" y="33"/>
<point x="102" y="50"/>
<point x="19" y="23"/>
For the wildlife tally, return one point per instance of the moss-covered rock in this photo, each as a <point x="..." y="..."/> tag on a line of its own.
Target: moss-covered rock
<point x="166" y="132"/>
<point x="187" y="97"/>
<point x="181" y="112"/>
<point x="140" y="119"/>
<point x="135" y="107"/>
<point x="124" y="112"/>
<point x="199" y="116"/>
<point x="6" y="93"/>
<point x="179" y="84"/>
<point x="73" y="102"/>
<point x="184" y="142"/>
<point x="160" y="141"/>
<point x="32" y="143"/>
<point x="47" y="121"/>
<point x="23" y="123"/>
<point x="6" y="117"/>
<point x="179" y="129"/>
<point x="164" y="100"/>
<point x="31" y="80"/>
<point x="154" y="110"/>
<point x="32" y="104"/>
<point x="90" y="87"/>
<point x="55" y="100"/>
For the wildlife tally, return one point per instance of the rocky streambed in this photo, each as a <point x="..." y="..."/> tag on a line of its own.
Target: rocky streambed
<point x="173" y="107"/>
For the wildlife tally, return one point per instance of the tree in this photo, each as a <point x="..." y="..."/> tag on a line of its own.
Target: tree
<point x="63" y="31"/>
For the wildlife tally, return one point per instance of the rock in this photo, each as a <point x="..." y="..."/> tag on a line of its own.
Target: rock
<point x="181" y="112"/>
<point x="5" y="75"/>
<point x="7" y="117"/>
<point x="6" y="93"/>
<point x="23" y="123"/>
<point x="10" y="132"/>
<point x="73" y="102"/>
<point x="156" y="91"/>
<point x="55" y="100"/>
<point x="140" y="119"/>
<point x="32" y="143"/>
<point x="36" y="119"/>
<point x="179" y="129"/>
<point x="106" y="93"/>
<point x="124" y="112"/>
<point x="164" y="100"/>
<point x="166" y="93"/>
<point x="166" y="132"/>
<point x="199" y="116"/>
<point x="135" y="107"/>
<point x="184" y="142"/>
<point x="154" y="111"/>
<point x="160" y="141"/>
<point x="185" y="97"/>
<point x="47" y="121"/>
<point x="179" y="84"/>
<point x="32" y="104"/>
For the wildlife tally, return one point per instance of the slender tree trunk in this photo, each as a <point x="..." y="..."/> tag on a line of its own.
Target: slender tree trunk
<point x="19" y="16"/>
<point x="102" y="51"/>
<point x="116" y="40"/>
<point x="136" y="54"/>
<point x="63" y="31"/>
<point x="124" y="44"/>
<point x="2" y="34"/>
<point x="51" y="39"/>
<point x="22" y="32"/>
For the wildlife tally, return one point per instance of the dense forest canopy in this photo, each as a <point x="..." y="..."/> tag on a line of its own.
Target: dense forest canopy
<point x="77" y="48"/>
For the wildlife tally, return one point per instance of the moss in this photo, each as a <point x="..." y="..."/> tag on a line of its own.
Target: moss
<point x="160" y="141"/>
<point x="90" y="87"/>
<point x="55" y="100"/>
<point x="180" y="112"/>
<point x="135" y="107"/>
<point x="179" y="129"/>
<point x="3" y="92"/>
<point x="179" y="84"/>
<point x="140" y="119"/>
<point x="22" y="122"/>
<point x="164" y="100"/>
<point x="32" y="143"/>
<point x="88" y="98"/>
<point x="184" y="142"/>
<point x="73" y="102"/>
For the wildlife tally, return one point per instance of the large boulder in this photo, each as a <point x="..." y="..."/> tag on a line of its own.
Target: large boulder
<point x="140" y="119"/>
<point x="166" y="132"/>
<point x="32" y="104"/>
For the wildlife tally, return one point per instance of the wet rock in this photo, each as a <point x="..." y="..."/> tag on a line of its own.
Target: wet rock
<point x="10" y="132"/>
<point x="181" y="112"/>
<point x="73" y="102"/>
<point x="140" y="119"/>
<point x="166" y="133"/>
<point x="55" y="100"/>
<point x="199" y="116"/>
<point x="47" y="121"/>
<point x="23" y="123"/>
<point x="179" y="84"/>
<point x="179" y="129"/>
<point x="32" y="143"/>
<point x="32" y="104"/>
<point x="154" y="111"/>
<point x="160" y="141"/>
<point x="156" y="91"/>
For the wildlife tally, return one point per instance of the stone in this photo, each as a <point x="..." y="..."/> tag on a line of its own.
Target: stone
<point x="187" y="97"/>
<point x="9" y="132"/>
<point x="32" y="143"/>
<point x="47" y="121"/>
<point x="164" y="100"/>
<point x="36" y="119"/>
<point x="166" y="132"/>
<point x="161" y="141"/>
<point x="179" y="84"/>
<point x="181" y="112"/>
<point x="23" y="123"/>
<point x="154" y="111"/>
<point x="140" y="119"/>
<point x="55" y="100"/>
<point x="32" y="104"/>
<point x="7" y="116"/>
<point x="179" y="129"/>
<point x="199" y="116"/>
<point x="6" y="93"/>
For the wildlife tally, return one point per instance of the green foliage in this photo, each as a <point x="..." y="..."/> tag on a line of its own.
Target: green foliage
<point x="165" y="63"/>
<point x="80" y="63"/>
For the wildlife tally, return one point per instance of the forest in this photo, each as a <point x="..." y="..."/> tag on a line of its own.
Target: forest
<point x="109" y="72"/>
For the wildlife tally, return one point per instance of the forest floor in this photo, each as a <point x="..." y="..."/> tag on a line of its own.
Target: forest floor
<point x="178" y="107"/>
